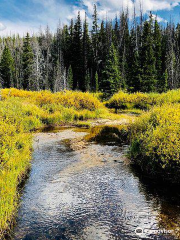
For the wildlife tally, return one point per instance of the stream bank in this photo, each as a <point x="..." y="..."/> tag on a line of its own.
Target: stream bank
<point x="87" y="190"/>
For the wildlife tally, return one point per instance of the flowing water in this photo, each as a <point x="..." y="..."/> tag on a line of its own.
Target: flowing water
<point x="91" y="193"/>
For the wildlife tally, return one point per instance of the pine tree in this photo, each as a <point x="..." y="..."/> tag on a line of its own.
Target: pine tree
<point x="18" y="62"/>
<point x="7" y="68"/>
<point x="111" y="81"/>
<point x="77" y="63"/>
<point x="27" y="63"/>
<point x="103" y="50"/>
<point x="87" y="81"/>
<point x="148" y="60"/>
<point x="163" y="85"/>
<point x="124" y="46"/>
<point x="134" y="70"/>
<point x="95" y="29"/>
<point x="116" y="33"/>
<point x="65" y="44"/>
<point x="71" y="36"/>
<point x="87" y="51"/>
<point x="70" y="78"/>
<point x="170" y="61"/>
<point x="158" y="55"/>
<point x="96" y="82"/>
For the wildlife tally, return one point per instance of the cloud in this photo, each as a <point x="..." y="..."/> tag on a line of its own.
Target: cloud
<point x="159" y="19"/>
<point x="53" y="11"/>
<point x="18" y="27"/>
<point x="113" y="6"/>
<point x="2" y="26"/>
<point x="49" y="12"/>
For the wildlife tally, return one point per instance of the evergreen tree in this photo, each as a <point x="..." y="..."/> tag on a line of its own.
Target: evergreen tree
<point x="87" y="51"/>
<point x="163" y="85"/>
<point x="70" y="78"/>
<point x="77" y="63"/>
<point x="87" y="81"/>
<point x="124" y="46"/>
<point x="158" y="55"/>
<point x="134" y="71"/>
<point x="66" y="44"/>
<point x="18" y="63"/>
<point x="111" y="81"/>
<point x="71" y="36"/>
<point x="171" y="57"/>
<point x="95" y="29"/>
<point x="103" y="50"/>
<point x="116" y="33"/>
<point x="96" y="82"/>
<point x="7" y="68"/>
<point x="27" y="63"/>
<point x="148" y="60"/>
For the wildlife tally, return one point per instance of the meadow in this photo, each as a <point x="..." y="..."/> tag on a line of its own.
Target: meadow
<point x="154" y="136"/>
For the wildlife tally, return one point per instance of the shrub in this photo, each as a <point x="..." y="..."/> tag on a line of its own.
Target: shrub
<point x="144" y="101"/>
<point x="155" y="140"/>
<point x="78" y="100"/>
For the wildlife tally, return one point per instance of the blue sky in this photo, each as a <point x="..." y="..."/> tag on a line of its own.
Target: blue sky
<point x="20" y="16"/>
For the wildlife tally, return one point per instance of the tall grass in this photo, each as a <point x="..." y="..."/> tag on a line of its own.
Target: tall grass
<point x="15" y="151"/>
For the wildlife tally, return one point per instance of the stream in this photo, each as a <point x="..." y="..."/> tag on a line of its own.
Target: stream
<point x="91" y="193"/>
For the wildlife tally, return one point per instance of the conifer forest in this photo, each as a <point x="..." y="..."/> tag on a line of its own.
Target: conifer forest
<point x="130" y="53"/>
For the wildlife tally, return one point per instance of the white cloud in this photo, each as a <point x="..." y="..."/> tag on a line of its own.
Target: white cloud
<point x="21" y="28"/>
<point x="2" y="26"/>
<point x="113" y="6"/>
<point x="159" y="19"/>
<point x="51" y="11"/>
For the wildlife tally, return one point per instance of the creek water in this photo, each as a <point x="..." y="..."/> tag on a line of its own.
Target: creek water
<point x="91" y="193"/>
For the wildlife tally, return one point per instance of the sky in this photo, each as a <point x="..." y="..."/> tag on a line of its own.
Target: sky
<point x="20" y="16"/>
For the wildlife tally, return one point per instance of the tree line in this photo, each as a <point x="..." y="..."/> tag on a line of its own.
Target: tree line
<point x="137" y="55"/>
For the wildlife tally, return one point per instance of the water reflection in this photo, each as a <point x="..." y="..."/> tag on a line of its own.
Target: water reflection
<point x="167" y="197"/>
<point x="88" y="194"/>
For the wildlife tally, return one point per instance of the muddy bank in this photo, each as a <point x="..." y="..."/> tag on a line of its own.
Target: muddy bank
<point x="126" y="120"/>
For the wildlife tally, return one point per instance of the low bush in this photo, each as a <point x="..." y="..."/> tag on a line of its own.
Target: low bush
<point x="144" y="101"/>
<point x="155" y="141"/>
<point x="78" y="100"/>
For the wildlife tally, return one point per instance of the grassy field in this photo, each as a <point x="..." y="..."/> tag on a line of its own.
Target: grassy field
<point x="154" y="137"/>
